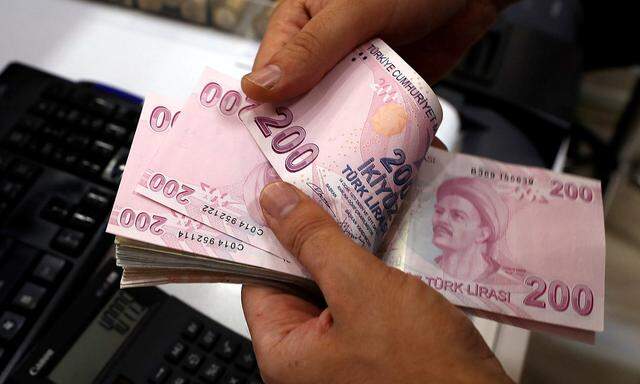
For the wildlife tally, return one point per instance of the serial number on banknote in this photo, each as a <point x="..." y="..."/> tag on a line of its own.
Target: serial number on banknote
<point x="233" y="220"/>
<point x="204" y="239"/>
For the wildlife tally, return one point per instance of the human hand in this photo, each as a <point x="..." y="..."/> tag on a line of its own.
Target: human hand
<point x="381" y="325"/>
<point x="306" y="38"/>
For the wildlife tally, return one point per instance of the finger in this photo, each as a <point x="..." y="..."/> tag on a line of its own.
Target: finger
<point x="340" y="267"/>
<point x="336" y="29"/>
<point x="311" y="52"/>
<point x="271" y="313"/>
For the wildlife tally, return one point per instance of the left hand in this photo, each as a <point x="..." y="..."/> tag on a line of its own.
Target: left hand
<point x="305" y="39"/>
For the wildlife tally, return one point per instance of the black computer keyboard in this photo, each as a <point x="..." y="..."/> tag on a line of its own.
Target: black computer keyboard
<point x="139" y="335"/>
<point x="62" y="151"/>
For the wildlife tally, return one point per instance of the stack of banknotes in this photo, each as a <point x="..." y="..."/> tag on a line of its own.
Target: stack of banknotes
<point x="520" y="244"/>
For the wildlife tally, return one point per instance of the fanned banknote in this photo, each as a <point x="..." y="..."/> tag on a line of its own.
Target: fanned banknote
<point x="356" y="141"/>
<point x="136" y="217"/>
<point x="209" y="168"/>
<point x="518" y="242"/>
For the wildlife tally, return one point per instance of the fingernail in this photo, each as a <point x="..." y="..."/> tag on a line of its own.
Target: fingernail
<point x="278" y="199"/>
<point x="265" y="77"/>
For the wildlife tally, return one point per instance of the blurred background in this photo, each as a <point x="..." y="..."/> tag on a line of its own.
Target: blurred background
<point x="555" y="83"/>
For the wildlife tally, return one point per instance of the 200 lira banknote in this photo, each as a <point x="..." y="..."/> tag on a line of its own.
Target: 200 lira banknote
<point x="209" y="169"/>
<point x="136" y="217"/>
<point x="354" y="142"/>
<point x="520" y="241"/>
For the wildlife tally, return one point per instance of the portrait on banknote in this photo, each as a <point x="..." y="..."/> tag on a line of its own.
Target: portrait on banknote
<point x="468" y="227"/>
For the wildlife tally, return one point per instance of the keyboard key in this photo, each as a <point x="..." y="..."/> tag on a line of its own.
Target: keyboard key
<point x="102" y="106"/>
<point x="49" y="269"/>
<point x="10" y="190"/>
<point x="102" y="150"/>
<point x="56" y="210"/>
<point x="17" y="261"/>
<point x="61" y="113"/>
<point x="44" y="107"/>
<point x="46" y="150"/>
<point x="54" y="108"/>
<point x="128" y="116"/>
<point x="96" y="124"/>
<point x="23" y="171"/>
<point x="115" y="131"/>
<point x="192" y="330"/>
<point x="54" y="132"/>
<point x="232" y="377"/>
<point x="179" y="380"/>
<point x="68" y="160"/>
<point x="29" y="296"/>
<point x="227" y="349"/>
<point x="96" y="200"/>
<point x="32" y="148"/>
<point x="175" y="353"/>
<point x="89" y="168"/>
<point x="246" y="360"/>
<point x="73" y="116"/>
<point x="82" y="222"/>
<point x="18" y="139"/>
<point x="160" y="375"/>
<point x="90" y="123"/>
<point x="208" y="340"/>
<point x="212" y="372"/>
<point x="31" y="123"/>
<point x="78" y="141"/>
<point x="68" y="241"/>
<point x="192" y="362"/>
<point x="10" y="325"/>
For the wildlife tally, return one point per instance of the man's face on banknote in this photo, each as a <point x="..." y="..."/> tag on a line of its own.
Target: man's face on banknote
<point x="457" y="224"/>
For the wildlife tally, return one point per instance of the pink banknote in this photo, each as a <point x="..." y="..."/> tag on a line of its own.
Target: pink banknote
<point x="210" y="169"/>
<point x="356" y="141"/>
<point x="520" y="241"/>
<point x="136" y="217"/>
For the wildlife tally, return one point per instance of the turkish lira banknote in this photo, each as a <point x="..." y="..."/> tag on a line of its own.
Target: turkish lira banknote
<point x="516" y="241"/>
<point x="355" y="141"/>
<point x="520" y="241"/>
<point x="136" y="217"/>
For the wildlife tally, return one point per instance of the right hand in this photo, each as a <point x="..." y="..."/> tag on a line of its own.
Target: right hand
<point x="306" y="38"/>
<point x="381" y="325"/>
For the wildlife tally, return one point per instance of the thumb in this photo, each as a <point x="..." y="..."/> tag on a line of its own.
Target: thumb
<point x="312" y="51"/>
<point x="339" y="266"/>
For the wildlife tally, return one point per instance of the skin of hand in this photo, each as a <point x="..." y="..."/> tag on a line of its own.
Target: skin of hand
<point x="380" y="325"/>
<point x="306" y="38"/>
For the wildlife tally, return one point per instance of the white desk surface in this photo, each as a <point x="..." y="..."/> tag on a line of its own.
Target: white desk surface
<point x="141" y="53"/>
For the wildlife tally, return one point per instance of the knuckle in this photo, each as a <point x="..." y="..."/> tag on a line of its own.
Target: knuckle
<point x="311" y="233"/>
<point x="282" y="25"/>
<point x="305" y="45"/>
